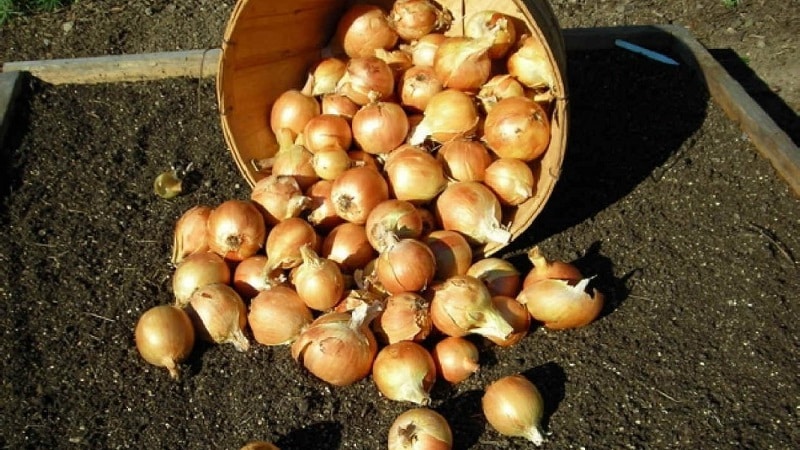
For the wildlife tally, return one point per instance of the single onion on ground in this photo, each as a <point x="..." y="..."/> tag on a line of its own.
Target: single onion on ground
<point x="560" y="304"/>
<point x="456" y="358"/>
<point x="420" y="429"/>
<point x="514" y="407"/>
<point x="190" y="233"/>
<point x="165" y="337"/>
<point x="219" y="315"/>
<point x="404" y="372"/>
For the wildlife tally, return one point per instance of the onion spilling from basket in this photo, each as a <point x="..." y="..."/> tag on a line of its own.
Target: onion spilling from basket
<point x="359" y="248"/>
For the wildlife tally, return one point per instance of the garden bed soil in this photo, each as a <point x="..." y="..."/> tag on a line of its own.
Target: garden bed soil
<point x="690" y="234"/>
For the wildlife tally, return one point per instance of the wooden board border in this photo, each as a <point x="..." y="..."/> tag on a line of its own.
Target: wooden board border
<point x="769" y="139"/>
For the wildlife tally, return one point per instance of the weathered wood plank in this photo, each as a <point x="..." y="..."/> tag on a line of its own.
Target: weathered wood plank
<point x="10" y="85"/>
<point x="121" y="68"/>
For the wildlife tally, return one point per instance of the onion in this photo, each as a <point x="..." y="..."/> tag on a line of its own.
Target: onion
<point x="323" y="214"/>
<point x="165" y="337"/>
<point x="423" y="51"/>
<point x="464" y="160"/>
<point x="397" y="217"/>
<point x="248" y="277"/>
<point x="406" y="317"/>
<point x="278" y="315"/>
<point x="293" y="159"/>
<point x="398" y="60"/>
<point x="190" y="233"/>
<point x="463" y="305"/>
<point x="362" y="29"/>
<point x="516" y="315"/>
<point x="499" y="276"/>
<point x="531" y="65"/>
<point x="368" y="79"/>
<point x="284" y="243"/>
<point x="319" y="281"/>
<point x="259" y="445"/>
<point x="196" y="271"/>
<point x="416" y="87"/>
<point x="327" y="132"/>
<point x="236" y="230"/>
<point x="338" y="348"/>
<point x="517" y="127"/>
<point x="326" y="74"/>
<point x="404" y="372"/>
<point x="219" y="315"/>
<point x="329" y="164"/>
<point x="420" y="429"/>
<point x="560" y="305"/>
<point x="450" y="114"/>
<point x="405" y="265"/>
<point x="339" y="105"/>
<point x="497" y="88"/>
<point x="279" y="197"/>
<point x="473" y="210"/>
<point x="495" y="26"/>
<point x="456" y="359"/>
<point x="511" y="180"/>
<point x="452" y="252"/>
<point x="356" y="192"/>
<point x="413" y="19"/>
<point x="544" y="268"/>
<point x="514" y="407"/>
<point x="463" y="63"/>
<point x="348" y="245"/>
<point x="414" y="174"/>
<point x="292" y="110"/>
<point x="380" y="127"/>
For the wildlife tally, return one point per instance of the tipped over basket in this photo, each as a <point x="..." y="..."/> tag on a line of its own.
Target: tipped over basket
<point x="269" y="46"/>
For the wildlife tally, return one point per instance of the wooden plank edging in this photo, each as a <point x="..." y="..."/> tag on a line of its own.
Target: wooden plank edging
<point x="769" y="139"/>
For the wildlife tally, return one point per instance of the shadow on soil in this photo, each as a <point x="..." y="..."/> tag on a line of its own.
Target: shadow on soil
<point x="630" y="118"/>
<point x="322" y="436"/>
<point x="11" y="162"/>
<point x="766" y="98"/>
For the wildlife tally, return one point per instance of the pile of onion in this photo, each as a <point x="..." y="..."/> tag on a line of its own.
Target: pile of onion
<point x="360" y="249"/>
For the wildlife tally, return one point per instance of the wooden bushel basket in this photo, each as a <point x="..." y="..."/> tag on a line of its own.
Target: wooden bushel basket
<point x="270" y="45"/>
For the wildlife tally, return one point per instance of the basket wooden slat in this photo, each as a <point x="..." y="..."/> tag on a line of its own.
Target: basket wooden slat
<point x="269" y="46"/>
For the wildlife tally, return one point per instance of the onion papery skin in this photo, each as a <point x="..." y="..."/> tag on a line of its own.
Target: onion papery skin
<point x="334" y="350"/>
<point x="416" y="87"/>
<point x="464" y="160"/>
<point x="511" y="180"/>
<point x="499" y="275"/>
<point x="197" y="271"/>
<point x="392" y="217"/>
<point x="339" y="105"/>
<point x="516" y="315"/>
<point x="362" y="29"/>
<point x="456" y="359"/>
<point x="326" y="74"/>
<point x="423" y="50"/>
<point x="357" y="191"/>
<point x="414" y="174"/>
<point x="219" y="315"/>
<point x="380" y="127"/>
<point x="348" y="245"/>
<point x="279" y="197"/>
<point x="165" y="337"/>
<point x="248" y="276"/>
<point x="496" y="26"/>
<point x="406" y="317"/>
<point x="236" y="230"/>
<point x="286" y="239"/>
<point x="405" y="266"/>
<point x="404" y="372"/>
<point x="463" y="63"/>
<point x="544" y="268"/>
<point x="530" y="65"/>
<point x="517" y="127"/>
<point x="450" y="114"/>
<point x="190" y="233"/>
<point x="463" y="305"/>
<point x="420" y="429"/>
<point x="318" y="281"/>
<point x="514" y="407"/>
<point x="367" y="80"/>
<point x="413" y="19"/>
<point x="560" y="305"/>
<point x="452" y="252"/>
<point x="473" y="210"/>
<point x="322" y="213"/>
<point x="277" y="316"/>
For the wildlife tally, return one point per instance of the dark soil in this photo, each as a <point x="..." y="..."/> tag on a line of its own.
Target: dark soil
<point x="689" y="232"/>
